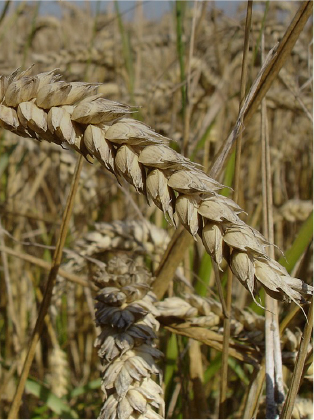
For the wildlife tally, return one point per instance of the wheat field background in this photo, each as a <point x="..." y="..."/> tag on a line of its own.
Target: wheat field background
<point x="180" y="75"/>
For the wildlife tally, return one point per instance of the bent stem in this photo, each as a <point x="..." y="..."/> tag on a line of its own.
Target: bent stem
<point x="13" y="413"/>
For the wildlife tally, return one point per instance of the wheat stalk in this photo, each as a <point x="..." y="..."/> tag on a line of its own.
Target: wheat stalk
<point x="42" y="107"/>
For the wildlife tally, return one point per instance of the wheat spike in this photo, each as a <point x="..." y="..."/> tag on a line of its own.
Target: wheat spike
<point x="126" y="313"/>
<point x="71" y="113"/>
<point x="129" y="236"/>
<point x="246" y="325"/>
<point x="59" y="375"/>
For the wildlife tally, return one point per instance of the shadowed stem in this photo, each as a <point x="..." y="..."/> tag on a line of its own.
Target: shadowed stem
<point x="13" y="413"/>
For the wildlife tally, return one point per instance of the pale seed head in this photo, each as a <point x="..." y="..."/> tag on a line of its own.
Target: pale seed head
<point x="216" y="211"/>
<point x="242" y="237"/>
<point x="158" y="191"/>
<point x="188" y="211"/>
<point x="21" y="90"/>
<point x="189" y="182"/>
<point x="96" y="110"/>
<point x="127" y="163"/>
<point x="212" y="237"/>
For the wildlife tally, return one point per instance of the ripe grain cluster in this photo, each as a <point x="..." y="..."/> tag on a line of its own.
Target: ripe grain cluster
<point x="74" y="114"/>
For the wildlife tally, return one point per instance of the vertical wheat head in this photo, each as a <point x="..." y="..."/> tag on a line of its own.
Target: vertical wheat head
<point x="126" y="313"/>
<point x="73" y="114"/>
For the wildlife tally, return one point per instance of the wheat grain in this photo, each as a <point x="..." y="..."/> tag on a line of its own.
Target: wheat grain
<point x="40" y="107"/>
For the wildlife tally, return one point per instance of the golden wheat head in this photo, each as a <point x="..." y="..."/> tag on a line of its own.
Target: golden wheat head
<point x="43" y="107"/>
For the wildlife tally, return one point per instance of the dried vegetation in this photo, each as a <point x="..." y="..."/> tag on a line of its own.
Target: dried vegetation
<point x="81" y="106"/>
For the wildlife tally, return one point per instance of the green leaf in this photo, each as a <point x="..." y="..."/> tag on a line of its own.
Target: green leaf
<point x="4" y="158"/>
<point x="299" y="245"/>
<point x="56" y="404"/>
<point x="171" y="356"/>
<point x="212" y="369"/>
<point x="201" y="286"/>
<point x="237" y="368"/>
<point x="201" y="143"/>
<point x="76" y="392"/>
<point x="229" y="175"/>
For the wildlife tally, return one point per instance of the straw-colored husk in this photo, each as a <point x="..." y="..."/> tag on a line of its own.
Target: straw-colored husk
<point x="75" y="115"/>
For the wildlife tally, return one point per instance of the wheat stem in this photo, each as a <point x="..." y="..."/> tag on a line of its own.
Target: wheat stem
<point x="225" y="354"/>
<point x="47" y="296"/>
<point x="298" y="368"/>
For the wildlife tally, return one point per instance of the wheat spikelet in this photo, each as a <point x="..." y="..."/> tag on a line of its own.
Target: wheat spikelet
<point x="126" y="313"/>
<point x="59" y="375"/>
<point x="42" y="107"/>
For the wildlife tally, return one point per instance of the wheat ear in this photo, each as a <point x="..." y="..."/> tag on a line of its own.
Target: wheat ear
<point x="42" y="107"/>
<point x="126" y="313"/>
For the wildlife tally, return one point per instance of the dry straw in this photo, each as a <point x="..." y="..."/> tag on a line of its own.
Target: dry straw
<point x="75" y="115"/>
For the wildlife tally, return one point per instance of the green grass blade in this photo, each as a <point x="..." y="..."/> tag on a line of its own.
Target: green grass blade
<point x="171" y="356"/>
<point x="301" y="242"/>
<point x="180" y="6"/>
<point x="126" y="48"/>
<point x="204" y="273"/>
<point x="80" y="390"/>
<point x="57" y="405"/>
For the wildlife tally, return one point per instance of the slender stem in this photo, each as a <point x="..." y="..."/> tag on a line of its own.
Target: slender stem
<point x="13" y="413"/>
<point x="254" y="391"/>
<point x="271" y="410"/>
<point x="180" y="49"/>
<point x="5" y="10"/>
<point x="225" y="353"/>
<point x="298" y="368"/>
<point x="294" y="309"/>
<point x="167" y="267"/>
<point x="274" y="306"/>
<point x="274" y="378"/>
<point x="10" y="305"/>
<point x="45" y="265"/>
<point x="187" y="113"/>
<point x="276" y="60"/>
